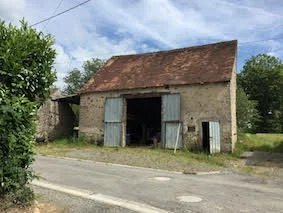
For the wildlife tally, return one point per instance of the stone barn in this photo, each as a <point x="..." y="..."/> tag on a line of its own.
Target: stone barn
<point x="172" y="99"/>
<point x="55" y="118"/>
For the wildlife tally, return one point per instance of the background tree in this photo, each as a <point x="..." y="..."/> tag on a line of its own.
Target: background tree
<point x="26" y="75"/>
<point x="73" y="81"/>
<point x="76" y="78"/>
<point x="247" y="114"/>
<point x="262" y="81"/>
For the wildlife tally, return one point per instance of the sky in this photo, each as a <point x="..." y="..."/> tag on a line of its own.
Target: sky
<point x="103" y="28"/>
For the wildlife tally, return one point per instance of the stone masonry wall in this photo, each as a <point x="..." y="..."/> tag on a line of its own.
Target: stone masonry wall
<point x="54" y="120"/>
<point x="202" y="102"/>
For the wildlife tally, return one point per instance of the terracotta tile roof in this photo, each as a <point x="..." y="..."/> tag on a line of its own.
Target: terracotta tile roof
<point x="199" y="64"/>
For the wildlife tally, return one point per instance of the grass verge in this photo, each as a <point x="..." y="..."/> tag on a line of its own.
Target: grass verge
<point x="164" y="158"/>
<point x="137" y="156"/>
<point x="259" y="142"/>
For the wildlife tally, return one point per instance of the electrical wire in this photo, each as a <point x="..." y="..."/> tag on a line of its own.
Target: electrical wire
<point x="57" y="7"/>
<point x="61" y="13"/>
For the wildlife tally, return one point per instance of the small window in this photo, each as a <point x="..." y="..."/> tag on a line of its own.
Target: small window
<point x="191" y="128"/>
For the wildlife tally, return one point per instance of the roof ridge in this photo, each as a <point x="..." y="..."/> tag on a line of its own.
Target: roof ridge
<point x="177" y="49"/>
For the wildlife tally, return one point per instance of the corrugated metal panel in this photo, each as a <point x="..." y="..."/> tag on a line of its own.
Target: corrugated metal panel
<point x="112" y="123"/>
<point x="171" y="107"/>
<point x="214" y="137"/>
<point x="112" y="134"/>
<point x="171" y="120"/>
<point x="113" y="109"/>
<point x="171" y="131"/>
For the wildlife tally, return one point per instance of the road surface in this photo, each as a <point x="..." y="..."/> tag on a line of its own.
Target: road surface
<point x="168" y="191"/>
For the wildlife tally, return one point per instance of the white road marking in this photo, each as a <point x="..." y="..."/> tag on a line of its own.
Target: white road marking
<point x="128" y="204"/>
<point x="162" y="178"/>
<point x="189" y="199"/>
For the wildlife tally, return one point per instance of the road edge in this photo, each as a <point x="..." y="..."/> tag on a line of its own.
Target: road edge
<point x="128" y="166"/>
<point x="101" y="198"/>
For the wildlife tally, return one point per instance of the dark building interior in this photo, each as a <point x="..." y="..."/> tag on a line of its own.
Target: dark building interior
<point x="143" y="121"/>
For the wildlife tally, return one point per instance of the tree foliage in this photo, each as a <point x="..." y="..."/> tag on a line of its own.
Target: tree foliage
<point x="73" y="81"/>
<point x="262" y="81"/>
<point x="77" y="78"/>
<point x="247" y="114"/>
<point x="26" y="58"/>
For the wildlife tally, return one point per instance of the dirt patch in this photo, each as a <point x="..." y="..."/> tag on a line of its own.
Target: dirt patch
<point x="265" y="164"/>
<point x="36" y="208"/>
<point x="267" y="159"/>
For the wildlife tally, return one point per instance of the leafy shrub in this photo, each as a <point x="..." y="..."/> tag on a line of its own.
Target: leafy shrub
<point x="26" y="75"/>
<point x="17" y="129"/>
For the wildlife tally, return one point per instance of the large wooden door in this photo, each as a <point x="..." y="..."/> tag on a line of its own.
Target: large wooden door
<point x="171" y="121"/>
<point x="113" y="121"/>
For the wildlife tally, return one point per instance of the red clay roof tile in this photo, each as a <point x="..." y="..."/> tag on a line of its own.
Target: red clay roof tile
<point x="200" y="64"/>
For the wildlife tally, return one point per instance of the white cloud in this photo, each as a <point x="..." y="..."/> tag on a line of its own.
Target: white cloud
<point x="11" y="10"/>
<point x="62" y="64"/>
<point x="102" y="28"/>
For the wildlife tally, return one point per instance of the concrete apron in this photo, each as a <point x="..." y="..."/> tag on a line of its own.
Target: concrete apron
<point x="128" y="204"/>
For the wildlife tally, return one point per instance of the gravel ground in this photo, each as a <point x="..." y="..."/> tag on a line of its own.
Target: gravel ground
<point x="67" y="203"/>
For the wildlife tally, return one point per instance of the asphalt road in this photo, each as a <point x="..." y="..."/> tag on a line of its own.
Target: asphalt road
<point x="211" y="193"/>
<point x="65" y="203"/>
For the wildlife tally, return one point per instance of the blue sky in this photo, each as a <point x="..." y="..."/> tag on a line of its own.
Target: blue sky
<point x="102" y="28"/>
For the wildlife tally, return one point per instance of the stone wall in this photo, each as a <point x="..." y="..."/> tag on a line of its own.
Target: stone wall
<point x="233" y="87"/>
<point x="54" y="120"/>
<point x="201" y="102"/>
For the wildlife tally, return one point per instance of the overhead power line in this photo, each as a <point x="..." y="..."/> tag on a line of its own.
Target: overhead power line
<point x="58" y="14"/>
<point x="59" y="4"/>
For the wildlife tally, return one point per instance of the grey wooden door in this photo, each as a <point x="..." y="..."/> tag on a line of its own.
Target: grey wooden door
<point x="113" y="121"/>
<point x="171" y="121"/>
<point x="214" y="137"/>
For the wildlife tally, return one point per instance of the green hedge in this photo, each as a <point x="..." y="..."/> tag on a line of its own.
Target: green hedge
<point x="26" y="75"/>
<point x="17" y="129"/>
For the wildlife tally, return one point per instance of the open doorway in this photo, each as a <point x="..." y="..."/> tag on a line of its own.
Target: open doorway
<point x="205" y="136"/>
<point x="211" y="136"/>
<point x="143" y="121"/>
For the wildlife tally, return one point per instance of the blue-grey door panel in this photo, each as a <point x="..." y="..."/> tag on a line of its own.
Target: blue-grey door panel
<point x="171" y="120"/>
<point x="171" y="107"/>
<point x="113" y="121"/>
<point x="112" y="134"/>
<point x="214" y="137"/>
<point x="171" y="131"/>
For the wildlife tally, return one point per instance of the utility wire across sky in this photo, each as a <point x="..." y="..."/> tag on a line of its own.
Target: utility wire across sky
<point x="84" y="2"/>
<point x="58" y="14"/>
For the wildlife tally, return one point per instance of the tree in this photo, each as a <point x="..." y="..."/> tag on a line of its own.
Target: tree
<point x="76" y="78"/>
<point x="247" y="114"/>
<point x="73" y="81"/>
<point x="26" y="75"/>
<point x="262" y="81"/>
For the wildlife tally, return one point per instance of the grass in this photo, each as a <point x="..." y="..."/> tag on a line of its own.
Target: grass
<point x="164" y="158"/>
<point x="259" y="142"/>
<point x="137" y="156"/>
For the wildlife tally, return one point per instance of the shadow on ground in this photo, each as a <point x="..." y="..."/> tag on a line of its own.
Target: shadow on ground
<point x="267" y="159"/>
